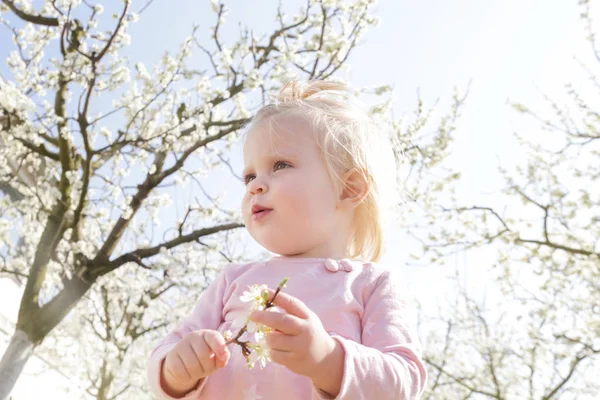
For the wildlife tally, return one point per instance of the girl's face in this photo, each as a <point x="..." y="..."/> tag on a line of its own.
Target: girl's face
<point x="291" y="204"/>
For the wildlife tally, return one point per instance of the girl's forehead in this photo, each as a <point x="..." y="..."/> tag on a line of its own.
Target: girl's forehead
<point x="285" y="139"/>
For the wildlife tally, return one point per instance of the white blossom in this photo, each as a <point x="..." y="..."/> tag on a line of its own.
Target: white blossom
<point x="260" y="354"/>
<point x="255" y="296"/>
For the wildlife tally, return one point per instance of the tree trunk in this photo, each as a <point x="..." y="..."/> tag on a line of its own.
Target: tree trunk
<point x="13" y="361"/>
<point x="105" y="385"/>
<point x="33" y="325"/>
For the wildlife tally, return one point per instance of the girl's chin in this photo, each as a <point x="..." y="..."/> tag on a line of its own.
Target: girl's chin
<point x="275" y="246"/>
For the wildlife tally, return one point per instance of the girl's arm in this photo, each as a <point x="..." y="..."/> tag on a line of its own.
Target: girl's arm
<point x="388" y="364"/>
<point x="208" y="314"/>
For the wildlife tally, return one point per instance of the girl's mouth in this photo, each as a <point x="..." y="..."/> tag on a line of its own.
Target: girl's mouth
<point x="261" y="214"/>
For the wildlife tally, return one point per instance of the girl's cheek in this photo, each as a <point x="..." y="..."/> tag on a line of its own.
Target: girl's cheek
<point x="244" y="208"/>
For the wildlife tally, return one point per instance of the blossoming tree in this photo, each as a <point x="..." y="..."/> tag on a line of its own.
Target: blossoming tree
<point x="536" y="332"/>
<point x="84" y="181"/>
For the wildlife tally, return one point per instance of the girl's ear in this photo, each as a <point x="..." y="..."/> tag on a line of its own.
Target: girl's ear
<point x="354" y="189"/>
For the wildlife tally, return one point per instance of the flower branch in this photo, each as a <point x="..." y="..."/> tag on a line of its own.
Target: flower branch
<point x="253" y="352"/>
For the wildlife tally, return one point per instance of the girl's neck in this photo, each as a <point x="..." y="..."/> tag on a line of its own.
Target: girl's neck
<point x="316" y="254"/>
<point x="337" y="247"/>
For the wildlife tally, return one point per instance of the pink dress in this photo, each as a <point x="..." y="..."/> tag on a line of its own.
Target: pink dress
<point x="360" y="304"/>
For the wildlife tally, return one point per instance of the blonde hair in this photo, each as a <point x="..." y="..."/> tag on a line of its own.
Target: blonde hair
<point x="350" y="140"/>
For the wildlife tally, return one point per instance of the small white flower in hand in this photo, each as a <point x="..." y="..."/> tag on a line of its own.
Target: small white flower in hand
<point x="259" y="354"/>
<point x="255" y="295"/>
<point x="258" y="297"/>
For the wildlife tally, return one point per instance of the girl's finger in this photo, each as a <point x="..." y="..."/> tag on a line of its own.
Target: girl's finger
<point x="201" y="348"/>
<point x="192" y="363"/>
<point x="281" y="341"/>
<point x="216" y="342"/>
<point x="291" y="304"/>
<point x="281" y="357"/>
<point x="285" y="323"/>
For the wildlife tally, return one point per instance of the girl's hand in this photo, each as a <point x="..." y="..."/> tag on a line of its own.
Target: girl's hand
<point x="198" y="354"/>
<point x="299" y="341"/>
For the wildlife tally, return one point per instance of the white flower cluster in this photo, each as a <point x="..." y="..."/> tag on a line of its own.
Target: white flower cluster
<point x="13" y="100"/>
<point x="258" y="298"/>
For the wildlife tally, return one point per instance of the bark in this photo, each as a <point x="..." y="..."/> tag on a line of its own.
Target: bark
<point x="13" y="361"/>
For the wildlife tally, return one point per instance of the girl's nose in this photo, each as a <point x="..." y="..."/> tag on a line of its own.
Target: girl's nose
<point x="257" y="186"/>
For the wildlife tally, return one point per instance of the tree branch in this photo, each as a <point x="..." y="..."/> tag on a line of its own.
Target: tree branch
<point x="201" y="143"/>
<point x="152" y="251"/>
<point x="34" y="19"/>
<point x="120" y="392"/>
<point x="558" y="247"/>
<point x="12" y="272"/>
<point x="39" y="322"/>
<point x="112" y="37"/>
<point x="461" y="381"/>
<point x="40" y="149"/>
<point x="574" y="365"/>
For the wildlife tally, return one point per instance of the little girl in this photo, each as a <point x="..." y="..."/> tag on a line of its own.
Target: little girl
<point x="319" y="177"/>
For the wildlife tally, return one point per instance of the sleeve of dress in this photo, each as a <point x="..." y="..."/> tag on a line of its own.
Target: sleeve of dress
<point x="207" y="314"/>
<point x="388" y="364"/>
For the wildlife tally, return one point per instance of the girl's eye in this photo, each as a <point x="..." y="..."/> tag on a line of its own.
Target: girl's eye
<point x="277" y="165"/>
<point x="248" y="178"/>
<point x="280" y="165"/>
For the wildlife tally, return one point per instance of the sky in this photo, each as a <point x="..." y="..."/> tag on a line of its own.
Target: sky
<point x="505" y="50"/>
